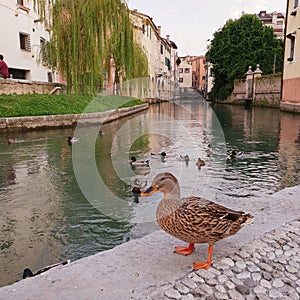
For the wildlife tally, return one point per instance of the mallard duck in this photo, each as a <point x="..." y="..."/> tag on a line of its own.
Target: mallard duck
<point x="27" y="273"/>
<point x="200" y="163"/>
<point x="192" y="219"/>
<point x="235" y="154"/>
<point x="11" y="141"/>
<point x="142" y="163"/>
<point x="72" y="140"/>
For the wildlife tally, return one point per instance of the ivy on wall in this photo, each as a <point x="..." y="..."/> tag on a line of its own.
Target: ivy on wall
<point x="84" y="34"/>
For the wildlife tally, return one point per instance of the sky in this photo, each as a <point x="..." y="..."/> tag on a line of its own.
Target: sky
<point x="192" y="23"/>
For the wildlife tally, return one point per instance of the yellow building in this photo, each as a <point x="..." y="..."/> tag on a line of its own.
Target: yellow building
<point x="291" y="68"/>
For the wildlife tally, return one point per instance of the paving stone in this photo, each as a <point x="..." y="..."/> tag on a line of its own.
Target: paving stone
<point x="181" y="288"/>
<point x="206" y="289"/>
<point x="265" y="283"/>
<point x="220" y="296"/>
<point x="189" y="283"/>
<point x="259" y="290"/>
<point x="277" y="283"/>
<point x="275" y="294"/>
<point x="187" y="297"/>
<point x="256" y="276"/>
<point x="172" y="294"/>
<point x="242" y="289"/>
<point x="233" y="294"/>
<point x="228" y="261"/>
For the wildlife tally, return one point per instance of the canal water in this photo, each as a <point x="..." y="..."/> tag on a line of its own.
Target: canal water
<point x="61" y="201"/>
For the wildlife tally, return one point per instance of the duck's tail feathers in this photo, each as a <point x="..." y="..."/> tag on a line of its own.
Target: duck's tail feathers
<point x="246" y="219"/>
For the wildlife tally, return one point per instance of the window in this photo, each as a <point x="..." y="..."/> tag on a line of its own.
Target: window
<point x="296" y="3"/>
<point x="43" y="50"/>
<point x="25" y="41"/>
<point x="186" y="70"/>
<point x="20" y="2"/>
<point x="291" y="37"/>
<point x="161" y="49"/>
<point x="180" y="70"/>
<point x="180" y="80"/>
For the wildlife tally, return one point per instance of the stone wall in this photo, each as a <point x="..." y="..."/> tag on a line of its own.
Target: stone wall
<point x="266" y="91"/>
<point x="19" y="86"/>
<point x="61" y="121"/>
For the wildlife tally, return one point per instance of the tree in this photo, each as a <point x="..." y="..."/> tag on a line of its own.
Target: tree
<point x="241" y="43"/>
<point x="84" y="35"/>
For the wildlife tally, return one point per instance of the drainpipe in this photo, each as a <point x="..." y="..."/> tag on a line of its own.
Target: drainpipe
<point x="57" y="88"/>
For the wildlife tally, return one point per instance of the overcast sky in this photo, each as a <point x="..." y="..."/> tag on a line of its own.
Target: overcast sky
<point x="190" y="23"/>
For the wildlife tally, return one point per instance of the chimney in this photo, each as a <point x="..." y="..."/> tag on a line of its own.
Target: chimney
<point x="159" y="30"/>
<point x="168" y="37"/>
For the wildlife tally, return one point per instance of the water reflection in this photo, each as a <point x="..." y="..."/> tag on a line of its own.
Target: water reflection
<point x="45" y="217"/>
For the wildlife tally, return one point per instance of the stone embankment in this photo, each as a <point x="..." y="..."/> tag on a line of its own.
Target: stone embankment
<point x="60" y="121"/>
<point x="260" y="262"/>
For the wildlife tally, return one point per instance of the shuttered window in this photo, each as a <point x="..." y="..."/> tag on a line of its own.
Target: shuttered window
<point x="25" y="41"/>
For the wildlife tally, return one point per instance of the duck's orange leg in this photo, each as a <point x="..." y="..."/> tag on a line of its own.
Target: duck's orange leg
<point x="204" y="265"/>
<point x="185" y="250"/>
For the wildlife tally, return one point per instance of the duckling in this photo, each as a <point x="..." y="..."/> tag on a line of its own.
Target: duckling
<point x="11" y="141"/>
<point x="72" y="140"/>
<point x="142" y="163"/>
<point x="200" y="163"/>
<point x="193" y="219"/>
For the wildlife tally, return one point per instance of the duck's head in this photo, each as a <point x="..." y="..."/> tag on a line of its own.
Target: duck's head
<point x="27" y="273"/>
<point x="163" y="182"/>
<point x="163" y="154"/>
<point x="132" y="158"/>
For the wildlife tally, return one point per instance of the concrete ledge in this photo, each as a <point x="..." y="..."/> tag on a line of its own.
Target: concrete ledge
<point x="135" y="270"/>
<point x="290" y="107"/>
<point x="54" y="121"/>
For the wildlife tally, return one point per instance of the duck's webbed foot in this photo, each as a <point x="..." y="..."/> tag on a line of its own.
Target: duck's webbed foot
<point x="205" y="265"/>
<point x="185" y="250"/>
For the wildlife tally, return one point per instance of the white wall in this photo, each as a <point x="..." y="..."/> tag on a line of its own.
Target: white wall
<point x="15" y="19"/>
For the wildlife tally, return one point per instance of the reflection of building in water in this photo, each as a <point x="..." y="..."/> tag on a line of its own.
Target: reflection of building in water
<point x="289" y="149"/>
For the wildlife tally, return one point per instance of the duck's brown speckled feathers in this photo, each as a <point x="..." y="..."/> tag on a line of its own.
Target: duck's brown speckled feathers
<point x="193" y="219"/>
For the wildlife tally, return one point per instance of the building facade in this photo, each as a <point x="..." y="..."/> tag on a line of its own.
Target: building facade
<point x="185" y="74"/>
<point x="291" y="69"/>
<point x="25" y="35"/>
<point x="275" y="20"/>
<point x="160" y="52"/>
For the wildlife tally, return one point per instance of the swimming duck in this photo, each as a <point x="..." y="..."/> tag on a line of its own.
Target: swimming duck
<point x="193" y="219"/>
<point x="72" y="140"/>
<point x="27" y="273"/>
<point x="11" y="141"/>
<point x="235" y="154"/>
<point x="101" y="132"/>
<point x="162" y="155"/>
<point x="142" y="163"/>
<point x="200" y="163"/>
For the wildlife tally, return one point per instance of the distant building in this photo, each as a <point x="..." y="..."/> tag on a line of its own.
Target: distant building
<point x="275" y="20"/>
<point x="291" y="67"/>
<point x="160" y="52"/>
<point x="198" y="71"/>
<point x="24" y="37"/>
<point x="185" y="74"/>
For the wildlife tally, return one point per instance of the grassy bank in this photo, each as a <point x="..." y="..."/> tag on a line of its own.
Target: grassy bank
<point x="44" y="104"/>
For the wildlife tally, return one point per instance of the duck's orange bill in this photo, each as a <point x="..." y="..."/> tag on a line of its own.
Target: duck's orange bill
<point x="149" y="191"/>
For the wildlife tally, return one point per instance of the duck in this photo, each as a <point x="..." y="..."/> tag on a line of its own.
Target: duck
<point x="101" y="132"/>
<point x="200" y="163"/>
<point x="72" y="140"/>
<point x="184" y="158"/>
<point x="11" y="141"/>
<point x="194" y="220"/>
<point x="142" y="163"/>
<point x="27" y="273"/>
<point x="162" y="155"/>
<point x="235" y="154"/>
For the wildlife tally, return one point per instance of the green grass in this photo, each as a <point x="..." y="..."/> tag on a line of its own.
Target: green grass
<point x="43" y="104"/>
